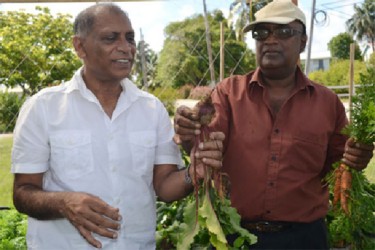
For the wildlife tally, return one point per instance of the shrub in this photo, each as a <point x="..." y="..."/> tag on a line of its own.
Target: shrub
<point x="167" y="96"/>
<point x="13" y="227"/>
<point x="199" y="92"/>
<point x="10" y="104"/>
<point x="186" y="90"/>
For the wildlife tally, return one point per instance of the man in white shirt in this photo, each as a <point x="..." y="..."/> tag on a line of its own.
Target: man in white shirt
<point x="90" y="156"/>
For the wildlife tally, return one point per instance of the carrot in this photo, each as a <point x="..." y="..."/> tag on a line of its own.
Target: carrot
<point x="346" y="183"/>
<point x="337" y="186"/>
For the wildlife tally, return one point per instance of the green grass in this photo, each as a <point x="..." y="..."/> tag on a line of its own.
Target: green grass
<point x="6" y="178"/>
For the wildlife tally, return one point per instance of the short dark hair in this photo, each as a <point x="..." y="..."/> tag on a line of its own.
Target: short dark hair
<point x="85" y="20"/>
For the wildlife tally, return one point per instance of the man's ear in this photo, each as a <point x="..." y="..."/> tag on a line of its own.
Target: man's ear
<point x="78" y="46"/>
<point x="303" y="43"/>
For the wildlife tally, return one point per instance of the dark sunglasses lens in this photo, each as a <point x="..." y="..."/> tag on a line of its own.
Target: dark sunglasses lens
<point x="283" y="33"/>
<point x="260" y="34"/>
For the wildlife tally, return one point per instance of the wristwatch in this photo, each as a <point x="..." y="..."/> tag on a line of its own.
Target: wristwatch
<point x="188" y="179"/>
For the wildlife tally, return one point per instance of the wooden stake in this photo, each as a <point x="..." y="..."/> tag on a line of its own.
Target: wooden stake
<point x="221" y="51"/>
<point x="351" y="78"/>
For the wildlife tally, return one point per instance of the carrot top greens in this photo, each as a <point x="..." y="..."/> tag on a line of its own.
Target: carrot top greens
<point x="351" y="221"/>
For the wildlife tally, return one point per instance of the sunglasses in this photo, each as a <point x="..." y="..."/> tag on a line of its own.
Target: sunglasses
<point x="261" y="34"/>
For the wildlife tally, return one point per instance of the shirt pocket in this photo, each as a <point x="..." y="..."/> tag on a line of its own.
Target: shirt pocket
<point x="71" y="153"/>
<point x="309" y="150"/>
<point x="143" y="145"/>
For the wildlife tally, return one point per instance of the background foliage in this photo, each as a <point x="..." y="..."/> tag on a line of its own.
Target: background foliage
<point x="13" y="227"/>
<point x="339" y="46"/>
<point x="362" y="23"/>
<point x="338" y="73"/>
<point x="35" y="50"/>
<point x="10" y="104"/>
<point x="185" y="43"/>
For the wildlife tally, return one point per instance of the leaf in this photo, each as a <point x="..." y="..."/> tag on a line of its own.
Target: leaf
<point x="189" y="228"/>
<point x="207" y="212"/>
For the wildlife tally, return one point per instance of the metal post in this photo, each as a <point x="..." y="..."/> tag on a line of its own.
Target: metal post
<point x="307" y="65"/>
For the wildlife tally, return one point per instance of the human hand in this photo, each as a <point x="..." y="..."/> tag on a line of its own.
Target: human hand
<point x="357" y="155"/>
<point x="186" y="126"/>
<point x="89" y="214"/>
<point x="208" y="153"/>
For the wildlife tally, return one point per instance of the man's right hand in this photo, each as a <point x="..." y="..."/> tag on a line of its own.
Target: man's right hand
<point x="89" y="214"/>
<point x="186" y="126"/>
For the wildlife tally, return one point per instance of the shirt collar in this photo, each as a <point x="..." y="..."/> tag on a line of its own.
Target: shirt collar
<point x="302" y="81"/>
<point x="77" y="83"/>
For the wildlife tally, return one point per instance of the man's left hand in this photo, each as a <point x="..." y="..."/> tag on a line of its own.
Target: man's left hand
<point x="357" y="155"/>
<point x="209" y="153"/>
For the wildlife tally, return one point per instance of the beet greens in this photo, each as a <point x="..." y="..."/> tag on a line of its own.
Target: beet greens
<point x="209" y="217"/>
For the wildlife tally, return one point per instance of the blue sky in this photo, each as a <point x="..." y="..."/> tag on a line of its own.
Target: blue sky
<point x="153" y="16"/>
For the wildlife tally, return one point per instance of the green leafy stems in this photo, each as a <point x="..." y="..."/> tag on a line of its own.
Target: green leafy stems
<point x="210" y="217"/>
<point x="351" y="220"/>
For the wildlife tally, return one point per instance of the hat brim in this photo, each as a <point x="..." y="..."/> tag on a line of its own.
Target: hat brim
<point x="276" y="20"/>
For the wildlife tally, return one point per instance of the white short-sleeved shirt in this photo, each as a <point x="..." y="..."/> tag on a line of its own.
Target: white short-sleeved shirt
<point x="63" y="132"/>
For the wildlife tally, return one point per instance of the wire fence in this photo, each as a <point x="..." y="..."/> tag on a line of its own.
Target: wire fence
<point x="9" y="104"/>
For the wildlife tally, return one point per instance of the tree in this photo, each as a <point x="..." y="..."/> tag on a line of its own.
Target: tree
<point x="362" y="23"/>
<point x="339" y="46"/>
<point x="183" y="59"/>
<point x="240" y="14"/>
<point x="151" y="62"/>
<point x="36" y="49"/>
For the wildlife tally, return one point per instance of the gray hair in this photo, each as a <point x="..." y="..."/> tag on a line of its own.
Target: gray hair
<point x="85" y="20"/>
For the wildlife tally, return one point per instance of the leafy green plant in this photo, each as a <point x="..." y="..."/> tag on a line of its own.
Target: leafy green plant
<point x="10" y="104"/>
<point x="36" y="49"/>
<point x="167" y="96"/>
<point x="210" y="216"/>
<point x="352" y="221"/>
<point x="338" y="74"/>
<point x="13" y="227"/>
<point x="209" y="226"/>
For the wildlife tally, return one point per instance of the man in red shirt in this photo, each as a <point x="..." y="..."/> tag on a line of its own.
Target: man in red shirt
<point x="283" y="133"/>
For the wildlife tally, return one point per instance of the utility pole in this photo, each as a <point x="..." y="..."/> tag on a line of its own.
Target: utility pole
<point x="307" y="65"/>
<point x="143" y="61"/>
<point x="296" y="3"/>
<point x="209" y="48"/>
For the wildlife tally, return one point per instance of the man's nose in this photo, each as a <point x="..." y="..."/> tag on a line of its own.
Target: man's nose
<point x="124" y="46"/>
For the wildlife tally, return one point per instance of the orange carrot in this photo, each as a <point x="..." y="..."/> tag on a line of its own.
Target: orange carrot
<point x="346" y="183"/>
<point x="337" y="187"/>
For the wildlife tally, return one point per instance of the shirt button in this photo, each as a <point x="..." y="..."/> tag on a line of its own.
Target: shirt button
<point x="277" y="131"/>
<point x="271" y="184"/>
<point x="268" y="211"/>
<point x="273" y="158"/>
<point x="113" y="168"/>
